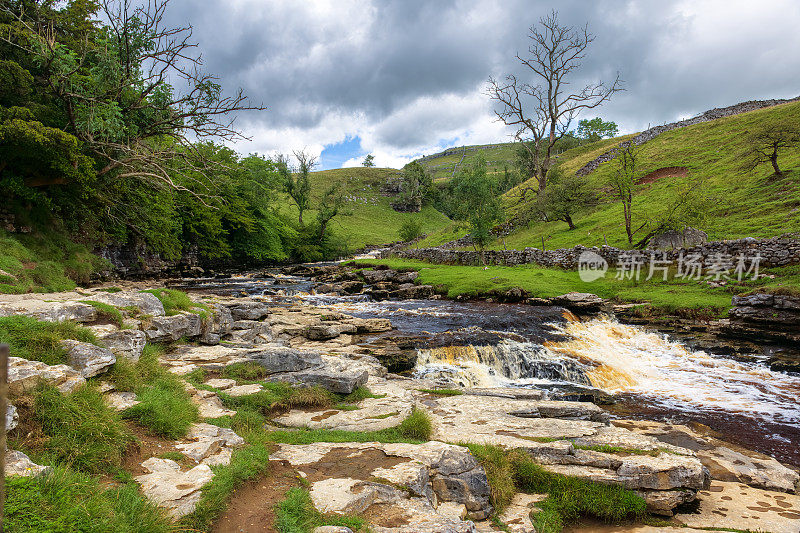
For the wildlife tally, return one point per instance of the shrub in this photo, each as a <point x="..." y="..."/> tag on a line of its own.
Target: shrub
<point x="410" y="230"/>
<point x="83" y="431"/>
<point x="41" y="341"/>
<point x="417" y="425"/>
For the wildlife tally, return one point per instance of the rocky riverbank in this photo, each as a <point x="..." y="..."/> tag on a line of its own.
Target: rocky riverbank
<point x="399" y="487"/>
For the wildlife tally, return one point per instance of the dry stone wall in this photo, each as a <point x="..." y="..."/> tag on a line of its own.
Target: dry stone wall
<point x="777" y="251"/>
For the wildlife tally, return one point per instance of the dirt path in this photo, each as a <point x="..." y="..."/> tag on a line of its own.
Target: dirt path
<point x="252" y="506"/>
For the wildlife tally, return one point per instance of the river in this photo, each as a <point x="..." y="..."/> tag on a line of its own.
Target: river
<point x="639" y="373"/>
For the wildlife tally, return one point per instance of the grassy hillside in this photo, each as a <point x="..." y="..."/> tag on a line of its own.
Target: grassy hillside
<point x="368" y="217"/>
<point x="744" y="203"/>
<point x="443" y="165"/>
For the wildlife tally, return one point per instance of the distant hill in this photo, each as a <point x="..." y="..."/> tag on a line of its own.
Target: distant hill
<point x="368" y="217"/>
<point x="746" y="203"/>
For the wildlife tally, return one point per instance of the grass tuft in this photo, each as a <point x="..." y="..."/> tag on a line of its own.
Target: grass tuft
<point x="443" y="392"/>
<point x="106" y="311"/>
<point x="417" y="425"/>
<point x="82" y="430"/>
<point x="361" y="393"/>
<point x="41" y="341"/>
<point x="165" y="408"/>
<point x="64" y="500"/>
<point x="175" y="301"/>
<point x="245" y="371"/>
<point x="297" y="514"/>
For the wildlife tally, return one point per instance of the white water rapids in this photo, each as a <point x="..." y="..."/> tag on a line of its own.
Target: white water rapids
<point x="621" y="358"/>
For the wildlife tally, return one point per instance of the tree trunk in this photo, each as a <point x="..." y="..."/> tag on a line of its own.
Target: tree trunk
<point x="773" y="158"/>
<point x="568" y="220"/>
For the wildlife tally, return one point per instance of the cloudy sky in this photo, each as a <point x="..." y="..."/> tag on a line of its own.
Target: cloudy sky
<point x="403" y="78"/>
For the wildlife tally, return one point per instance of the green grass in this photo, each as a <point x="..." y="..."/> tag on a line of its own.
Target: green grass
<point x="132" y="377"/>
<point x="64" y="500"/>
<point x="245" y="371"/>
<point x="745" y="203"/>
<point x="44" y="262"/>
<point x="246" y="464"/>
<point x="443" y="392"/>
<point x="361" y="393"/>
<point x="297" y="514"/>
<point x="81" y="430"/>
<point x="544" y="282"/>
<point x="367" y="216"/>
<point x="175" y="301"/>
<point x="417" y="425"/>
<point x="41" y="341"/>
<point x="570" y="498"/>
<point x="106" y="311"/>
<point x="165" y="408"/>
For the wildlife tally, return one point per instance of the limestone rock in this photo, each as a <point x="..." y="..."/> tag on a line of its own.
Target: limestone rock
<point x="23" y="376"/>
<point x="245" y="309"/>
<point x="19" y="464"/>
<point x="12" y="417"/>
<point x="340" y="382"/>
<point x="127" y="343"/>
<point x="120" y="401"/>
<point x="88" y="359"/>
<point x="221" y="383"/>
<point x="217" y="325"/>
<point x="244" y="390"/>
<point x="279" y="359"/>
<point x="169" y="488"/>
<point x="663" y="502"/>
<point x="579" y="301"/>
<point x="146" y="303"/>
<point x="172" y="328"/>
<point x="517" y="515"/>
<point x="761" y="472"/>
<point x="48" y="311"/>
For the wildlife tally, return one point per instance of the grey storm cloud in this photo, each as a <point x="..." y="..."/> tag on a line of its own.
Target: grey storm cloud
<point x="307" y="61"/>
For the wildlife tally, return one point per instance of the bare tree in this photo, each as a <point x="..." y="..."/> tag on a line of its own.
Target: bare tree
<point x="542" y="111"/>
<point x="766" y="144"/>
<point x="143" y="112"/>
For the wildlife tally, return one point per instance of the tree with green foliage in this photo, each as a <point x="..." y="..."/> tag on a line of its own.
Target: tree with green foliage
<point x="329" y="205"/>
<point x="369" y="161"/>
<point x="295" y="180"/>
<point x="766" y="144"/>
<point x="416" y="187"/>
<point x="595" y="129"/>
<point x="623" y="180"/>
<point x="566" y="195"/>
<point x="542" y="111"/>
<point x="477" y="201"/>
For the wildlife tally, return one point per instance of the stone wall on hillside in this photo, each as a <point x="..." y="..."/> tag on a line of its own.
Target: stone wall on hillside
<point x="777" y="251"/>
<point x="651" y="133"/>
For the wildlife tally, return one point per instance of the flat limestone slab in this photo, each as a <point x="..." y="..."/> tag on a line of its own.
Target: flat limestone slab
<point x="372" y="414"/>
<point x="738" y="506"/>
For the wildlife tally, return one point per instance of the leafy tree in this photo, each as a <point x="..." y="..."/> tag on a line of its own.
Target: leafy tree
<point x="566" y="195"/>
<point x="410" y="230"/>
<point x="369" y="161"/>
<point x="542" y="111"/>
<point x="416" y="187"/>
<point x="596" y="129"/>
<point x="766" y="144"/>
<point x="623" y="181"/>
<point x="331" y="202"/>
<point x="295" y="182"/>
<point x="475" y="195"/>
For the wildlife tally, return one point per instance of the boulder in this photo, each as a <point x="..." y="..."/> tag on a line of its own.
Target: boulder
<point x="88" y="359"/>
<point x="127" y="343"/>
<point x="246" y="309"/>
<point x="49" y="311"/>
<point x="169" y="488"/>
<point x="280" y="359"/>
<point x="763" y="472"/>
<point x="217" y="325"/>
<point x="340" y="382"/>
<point x="172" y="328"/>
<point x="145" y="302"/>
<point x="409" y="291"/>
<point x="19" y="464"/>
<point x="579" y="301"/>
<point x="24" y="375"/>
